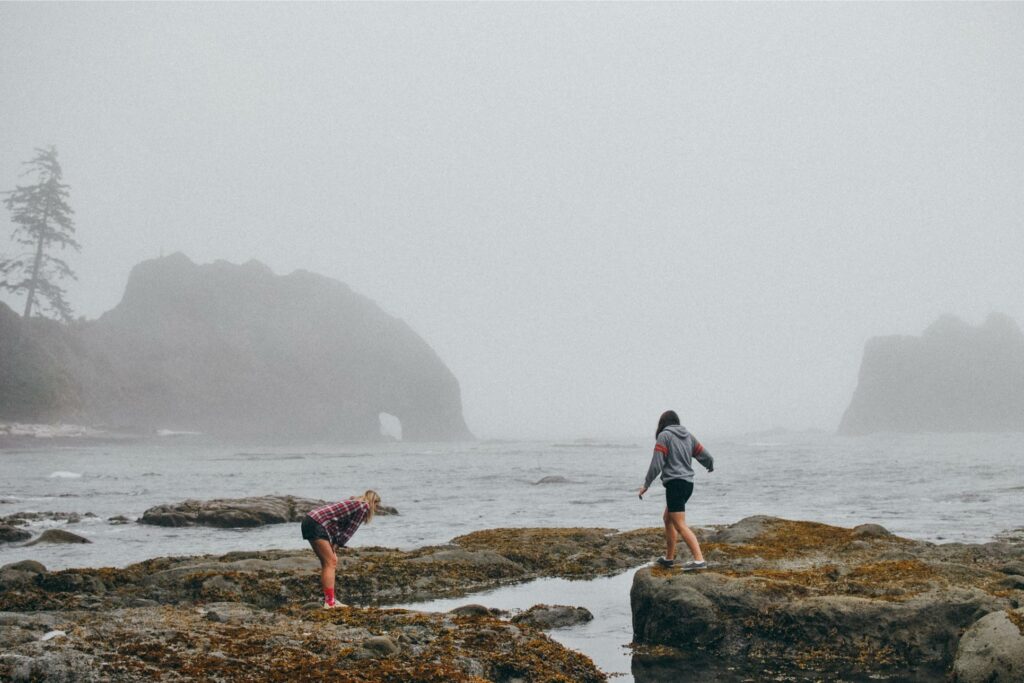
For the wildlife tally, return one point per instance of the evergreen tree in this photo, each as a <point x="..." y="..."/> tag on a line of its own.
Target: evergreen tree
<point x="43" y="221"/>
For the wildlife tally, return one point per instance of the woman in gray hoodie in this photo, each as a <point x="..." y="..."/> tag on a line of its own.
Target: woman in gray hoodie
<point x="674" y="452"/>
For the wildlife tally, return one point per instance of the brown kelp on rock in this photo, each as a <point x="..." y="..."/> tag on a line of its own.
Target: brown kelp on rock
<point x="810" y="597"/>
<point x="238" y="642"/>
<point x="256" y="615"/>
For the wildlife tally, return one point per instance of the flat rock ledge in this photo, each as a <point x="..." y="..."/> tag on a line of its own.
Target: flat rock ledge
<point x="807" y="600"/>
<point x="256" y="615"/>
<point x="235" y="513"/>
<point x="237" y="641"/>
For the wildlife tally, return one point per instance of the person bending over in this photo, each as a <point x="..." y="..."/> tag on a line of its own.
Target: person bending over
<point x="330" y="527"/>
<point x="674" y="451"/>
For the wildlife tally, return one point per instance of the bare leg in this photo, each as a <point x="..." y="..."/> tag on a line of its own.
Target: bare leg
<point x="678" y="520"/>
<point x="328" y="562"/>
<point x="670" y="536"/>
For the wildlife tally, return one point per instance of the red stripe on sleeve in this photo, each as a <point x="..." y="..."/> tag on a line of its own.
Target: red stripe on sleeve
<point x="661" y="449"/>
<point x="698" y="449"/>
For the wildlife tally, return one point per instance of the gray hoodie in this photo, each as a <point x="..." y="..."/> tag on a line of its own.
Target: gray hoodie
<point x="673" y="456"/>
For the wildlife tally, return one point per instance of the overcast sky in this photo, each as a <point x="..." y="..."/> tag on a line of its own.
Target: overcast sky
<point x="591" y="212"/>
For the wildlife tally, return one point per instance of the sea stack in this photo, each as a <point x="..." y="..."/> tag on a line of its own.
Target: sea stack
<point x="236" y="350"/>
<point x="953" y="378"/>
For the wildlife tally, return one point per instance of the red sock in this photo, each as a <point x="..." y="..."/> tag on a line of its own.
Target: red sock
<point x="329" y="596"/>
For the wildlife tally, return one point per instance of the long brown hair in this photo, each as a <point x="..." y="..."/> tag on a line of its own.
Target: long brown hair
<point x="667" y="419"/>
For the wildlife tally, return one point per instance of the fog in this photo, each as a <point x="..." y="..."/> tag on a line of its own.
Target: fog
<point x="591" y="212"/>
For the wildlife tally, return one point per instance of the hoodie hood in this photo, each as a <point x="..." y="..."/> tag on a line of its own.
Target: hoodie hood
<point x="677" y="430"/>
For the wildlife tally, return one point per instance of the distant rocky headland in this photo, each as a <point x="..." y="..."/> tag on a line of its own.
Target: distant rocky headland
<point x="953" y="378"/>
<point x="231" y="350"/>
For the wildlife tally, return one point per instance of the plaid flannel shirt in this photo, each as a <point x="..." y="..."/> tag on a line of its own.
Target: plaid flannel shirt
<point x="340" y="520"/>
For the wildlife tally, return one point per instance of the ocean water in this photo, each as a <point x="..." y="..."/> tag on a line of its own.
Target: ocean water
<point x="962" y="487"/>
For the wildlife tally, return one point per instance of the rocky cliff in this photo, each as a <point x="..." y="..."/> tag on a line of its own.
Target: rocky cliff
<point x="236" y="350"/>
<point x="954" y="377"/>
<point x="36" y="383"/>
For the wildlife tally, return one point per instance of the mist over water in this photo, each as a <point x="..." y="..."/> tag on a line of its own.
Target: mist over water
<point x="580" y="214"/>
<point x="591" y="212"/>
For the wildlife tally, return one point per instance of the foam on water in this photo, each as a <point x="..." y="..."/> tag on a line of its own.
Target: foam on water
<point x="65" y="475"/>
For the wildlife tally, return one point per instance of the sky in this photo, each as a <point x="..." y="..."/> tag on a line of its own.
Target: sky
<point x="592" y="212"/>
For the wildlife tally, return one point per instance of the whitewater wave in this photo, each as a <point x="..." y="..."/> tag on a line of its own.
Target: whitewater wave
<point x="61" y="474"/>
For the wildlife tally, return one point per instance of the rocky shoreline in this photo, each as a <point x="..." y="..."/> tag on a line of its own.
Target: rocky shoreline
<point x="818" y="601"/>
<point x="782" y="599"/>
<point x="256" y="615"/>
<point x="222" y="513"/>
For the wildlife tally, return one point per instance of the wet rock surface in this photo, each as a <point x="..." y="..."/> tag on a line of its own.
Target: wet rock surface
<point x="25" y="518"/>
<point x="10" y="534"/>
<point x="228" y="513"/>
<point x="553" y="479"/>
<point x="226" y="617"/>
<point x="58" y="536"/>
<point x="810" y="599"/>
<point x="243" y="642"/>
<point x="547" y="617"/>
<point x="372" y="575"/>
<point x="231" y="512"/>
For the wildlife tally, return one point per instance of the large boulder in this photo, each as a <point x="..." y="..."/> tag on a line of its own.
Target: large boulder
<point x="992" y="650"/>
<point x="547" y="617"/>
<point x="231" y="512"/>
<point x="59" y="536"/>
<point x="823" y="599"/>
<point x="11" y="534"/>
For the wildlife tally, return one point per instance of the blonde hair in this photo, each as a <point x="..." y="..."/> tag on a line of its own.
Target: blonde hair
<point x="371" y="498"/>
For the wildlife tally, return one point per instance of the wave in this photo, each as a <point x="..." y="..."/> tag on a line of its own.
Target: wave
<point x="61" y="474"/>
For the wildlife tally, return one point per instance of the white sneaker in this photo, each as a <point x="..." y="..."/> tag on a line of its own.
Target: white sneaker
<point x="336" y="604"/>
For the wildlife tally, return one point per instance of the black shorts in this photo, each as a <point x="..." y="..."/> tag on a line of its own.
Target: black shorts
<point x="312" y="529"/>
<point x="677" y="492"/>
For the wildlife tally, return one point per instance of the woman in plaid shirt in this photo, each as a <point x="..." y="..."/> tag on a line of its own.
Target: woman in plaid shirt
<point x="330" y="527"/>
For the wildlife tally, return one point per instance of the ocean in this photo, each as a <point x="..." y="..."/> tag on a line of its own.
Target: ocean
<point x="941" y="488"/>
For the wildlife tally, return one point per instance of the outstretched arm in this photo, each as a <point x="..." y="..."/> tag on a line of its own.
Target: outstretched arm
<point x="657" y="460"/>
<point x="702" y="456"/>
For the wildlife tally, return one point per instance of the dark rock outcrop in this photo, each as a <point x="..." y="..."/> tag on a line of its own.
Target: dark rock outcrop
<point x="10" y="534"/>
<point x="547" y="617"/>
<point x="24" y="518"/>
<point x="801" y="596"/>
<point x="231" y="350"/>
<point x="59" y="536"/>
<point x="231" y="512"/>
<point x="237" y="513"/>
<point x="952" y="378"/>
<point x="474" y="610"/>
<point x="552" y="479"/>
